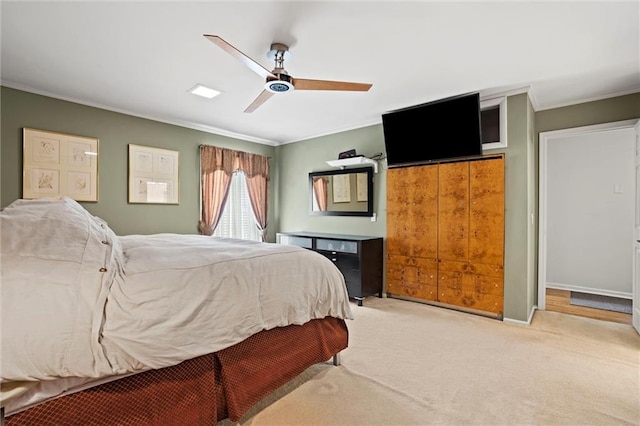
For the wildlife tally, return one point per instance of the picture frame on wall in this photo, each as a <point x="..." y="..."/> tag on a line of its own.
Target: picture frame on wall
<point x="362" y="187"/>
<point x="153" y="175"/>
<point x="57" y="164"/>
<point x="341" y="189"/>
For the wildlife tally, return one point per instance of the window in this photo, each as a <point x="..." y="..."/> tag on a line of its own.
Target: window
<point x="494" y="123"/>
<point x="238" y="220"/>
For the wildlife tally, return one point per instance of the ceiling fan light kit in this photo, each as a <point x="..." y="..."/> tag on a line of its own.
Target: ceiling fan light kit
<point x="280" y="84"/>
<point x="278" y="80"/>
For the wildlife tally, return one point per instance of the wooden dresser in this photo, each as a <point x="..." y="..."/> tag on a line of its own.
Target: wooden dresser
<point x="445" y="234"/>
<point x="359" y="258"/>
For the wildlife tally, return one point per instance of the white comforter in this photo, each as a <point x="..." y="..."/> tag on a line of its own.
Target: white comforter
<point x="79" y="301"/>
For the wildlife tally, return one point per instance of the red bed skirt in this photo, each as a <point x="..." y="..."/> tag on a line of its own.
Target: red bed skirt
<point x="200" y="391"/>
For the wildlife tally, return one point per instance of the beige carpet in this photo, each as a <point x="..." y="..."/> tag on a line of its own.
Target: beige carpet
<point x="413" y="364"/>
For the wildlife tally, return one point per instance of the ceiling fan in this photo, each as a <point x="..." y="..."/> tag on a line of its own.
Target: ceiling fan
<point x="278" y="80"/>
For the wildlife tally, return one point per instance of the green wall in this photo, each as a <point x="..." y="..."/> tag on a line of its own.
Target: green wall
<point x="291" y="163"/>
<point x="516" y="240"/>
<point x="296" y="160"/>
<point x="589" y="113"/>
<point x="115" y="131"/>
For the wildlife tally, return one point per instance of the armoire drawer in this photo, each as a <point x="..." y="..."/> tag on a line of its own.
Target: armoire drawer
<point x="470" y="282"/>
<point x="471" y="268"/>
<point x="471" y="300"/>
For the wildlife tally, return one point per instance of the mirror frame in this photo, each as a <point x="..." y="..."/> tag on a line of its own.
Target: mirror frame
<point x="367" y="213"/>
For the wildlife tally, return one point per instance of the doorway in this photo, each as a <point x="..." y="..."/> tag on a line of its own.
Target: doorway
<point x="587" y="211"/>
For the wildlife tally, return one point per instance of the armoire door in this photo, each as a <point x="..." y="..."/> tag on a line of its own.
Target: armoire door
<point x="411" y="244"/>
<point x="471" y="234"/>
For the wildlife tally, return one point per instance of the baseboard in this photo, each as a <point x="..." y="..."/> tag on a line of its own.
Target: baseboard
<point x="520" y="322"/>
<point x="590" y="290"/>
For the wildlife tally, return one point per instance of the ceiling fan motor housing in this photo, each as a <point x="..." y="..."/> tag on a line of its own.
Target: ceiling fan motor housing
<point x="282" y="83"/>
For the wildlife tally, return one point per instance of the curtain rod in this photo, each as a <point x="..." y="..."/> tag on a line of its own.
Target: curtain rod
<point x="232" y="149"/>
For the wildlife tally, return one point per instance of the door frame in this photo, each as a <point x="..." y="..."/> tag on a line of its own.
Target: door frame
<point x="544" y="139"/>
<point x="635" y="309"/>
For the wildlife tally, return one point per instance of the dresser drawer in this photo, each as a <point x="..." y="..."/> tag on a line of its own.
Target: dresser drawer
<point x="344" y="261"/>
<point x="337" y="245"/>
<point x="295" y="241"/>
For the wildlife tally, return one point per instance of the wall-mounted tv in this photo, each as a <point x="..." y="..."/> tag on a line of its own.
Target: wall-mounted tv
<point x="439" y="130"/>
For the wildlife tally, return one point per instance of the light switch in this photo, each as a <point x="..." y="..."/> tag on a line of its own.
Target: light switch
<point x="618" y="189"/>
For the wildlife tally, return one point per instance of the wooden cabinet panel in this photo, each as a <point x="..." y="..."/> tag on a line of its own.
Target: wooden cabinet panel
<point x="412" y="209"/>
<point x="463" y="276"/>
<point x="453" y="211"/>
<point x="415" y="269"/>
<point x="466" y="299"/>
<point x="460" y="289"/>
<point x="472" y="268"/>
<point x="445" y="233"/>
<point x="450" y="280"/>
<point x="489" y="270"/>
<point x="410" y="233"/>
<point x="411" y="244"/>
<point x="486" y="211"/>
<point x="471" y="234"/>
<point x="416" y="290"/>
<point x="486" y="285"/>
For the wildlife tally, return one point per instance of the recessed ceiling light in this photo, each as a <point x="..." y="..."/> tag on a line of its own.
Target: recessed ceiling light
<point x="204" y="91"/>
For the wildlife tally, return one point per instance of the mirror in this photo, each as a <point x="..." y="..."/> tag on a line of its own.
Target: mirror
<point x="347" y="192"/>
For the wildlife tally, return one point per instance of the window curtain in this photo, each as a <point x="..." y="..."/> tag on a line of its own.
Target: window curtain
<point x="217" y="166"/>
<point x="256" y="169"/>
<point x="320" y="190"/>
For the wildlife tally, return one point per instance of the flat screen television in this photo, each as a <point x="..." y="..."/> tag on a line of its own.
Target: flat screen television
<point x="445" y="129"/>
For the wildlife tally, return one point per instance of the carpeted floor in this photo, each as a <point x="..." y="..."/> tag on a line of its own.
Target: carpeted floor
<point x="413" y="364"/>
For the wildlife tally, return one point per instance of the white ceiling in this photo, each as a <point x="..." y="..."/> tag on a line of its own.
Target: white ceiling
<point x="141" y="58"/>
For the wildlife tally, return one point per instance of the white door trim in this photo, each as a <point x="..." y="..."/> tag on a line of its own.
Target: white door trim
<point x="545" y="139"/>
<point x="635" y="309"/>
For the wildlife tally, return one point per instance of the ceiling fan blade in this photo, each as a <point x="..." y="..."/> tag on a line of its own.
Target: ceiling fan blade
<point x="306" y="84"/>
<point x="262" y="98"/>
<point x="253" y="65"/>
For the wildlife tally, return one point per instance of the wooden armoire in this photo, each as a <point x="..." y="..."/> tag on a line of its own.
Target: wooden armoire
<point x="445" y="233"/>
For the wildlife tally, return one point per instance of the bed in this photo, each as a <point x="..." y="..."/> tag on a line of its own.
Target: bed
<point x="153" y="329"/>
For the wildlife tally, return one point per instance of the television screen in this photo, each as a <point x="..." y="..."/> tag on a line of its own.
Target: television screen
<point x="443" y="129"/>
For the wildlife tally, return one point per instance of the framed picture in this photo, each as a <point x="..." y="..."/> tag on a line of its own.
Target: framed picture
<point x="153" y="175"/>
<point x="56" y="165"/>
<point x="362" y="189"/>
<point x="341" y="189"/>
